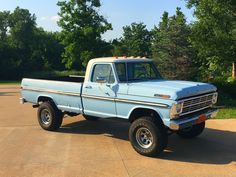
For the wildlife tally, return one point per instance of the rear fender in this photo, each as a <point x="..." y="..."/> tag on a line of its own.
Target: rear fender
<point x="43" y="98"/>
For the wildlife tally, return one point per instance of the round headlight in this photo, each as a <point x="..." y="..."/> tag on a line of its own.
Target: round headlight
<point x="175" y="110"/>
<point x="214" y="98"/>
<point x="178" y="108"/>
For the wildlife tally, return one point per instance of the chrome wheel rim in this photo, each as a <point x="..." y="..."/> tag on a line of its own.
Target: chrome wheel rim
<point x="45" y="117"/>
<point x="144" y="137"/>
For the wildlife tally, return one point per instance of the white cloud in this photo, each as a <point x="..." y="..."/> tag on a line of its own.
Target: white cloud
<point x="54" y="18"/>
<point x="43" y="18"/>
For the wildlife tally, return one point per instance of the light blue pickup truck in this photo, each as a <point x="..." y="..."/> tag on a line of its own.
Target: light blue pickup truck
<point x="131" y="89"/>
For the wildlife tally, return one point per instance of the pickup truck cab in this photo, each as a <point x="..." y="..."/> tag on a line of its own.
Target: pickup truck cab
<point x="130" y="89"/>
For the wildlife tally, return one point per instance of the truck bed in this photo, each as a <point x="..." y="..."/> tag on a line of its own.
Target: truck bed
<point x="71" y="78"/>
<point x="65" y="94"/>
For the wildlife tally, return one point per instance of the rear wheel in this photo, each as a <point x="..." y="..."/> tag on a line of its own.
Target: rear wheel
<point x="90" y="118"/>
<point x="148" y="136"/>
<point x="191" y="132"/>
<point x="49" y="117"/>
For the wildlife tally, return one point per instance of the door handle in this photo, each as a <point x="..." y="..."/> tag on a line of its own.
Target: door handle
<point x="108" y="85"/>
<point x="88" y="86"/>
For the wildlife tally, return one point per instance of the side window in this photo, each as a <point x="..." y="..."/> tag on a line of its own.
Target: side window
<point x="121" y="71"/>
<point x="103" y="71"/>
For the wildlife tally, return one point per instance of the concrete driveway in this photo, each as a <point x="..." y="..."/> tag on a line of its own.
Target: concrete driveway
<point x="83" y="148"/>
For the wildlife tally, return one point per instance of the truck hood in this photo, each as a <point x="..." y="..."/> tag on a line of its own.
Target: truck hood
<point x="175" y="89"/>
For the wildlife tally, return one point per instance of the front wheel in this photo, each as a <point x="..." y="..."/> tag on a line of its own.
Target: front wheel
<point x="191" y="132"/>
<point x="148" y="136"/>
<point x="49" y="117"/>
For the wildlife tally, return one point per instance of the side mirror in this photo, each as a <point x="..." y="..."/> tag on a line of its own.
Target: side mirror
<point x="101" y="80"/>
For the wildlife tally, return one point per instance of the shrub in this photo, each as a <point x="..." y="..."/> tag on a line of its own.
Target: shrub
<point x="226" y="87"/>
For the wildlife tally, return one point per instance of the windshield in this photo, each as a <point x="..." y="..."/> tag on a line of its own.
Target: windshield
<point x="137" y="71"/>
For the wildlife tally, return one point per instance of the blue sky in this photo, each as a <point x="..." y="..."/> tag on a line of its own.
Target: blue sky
<point x="119" y="12"/>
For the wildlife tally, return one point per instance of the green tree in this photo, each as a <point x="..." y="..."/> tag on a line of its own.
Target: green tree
<point x="16" y="31"/>
<point x="134" y="42"/>
<point x="171" y="48"/>
<point x="82" y="27"/>
<point x="24" y="48"/>
<point x="4" y="47"/>
<point x="118" y="49"/>
<point x="214" y="35"/>
<point x="21" y="28"/>
<point x="22" y="24"/>
<point x="48" y="49"/>
<point x="4" y="24"/>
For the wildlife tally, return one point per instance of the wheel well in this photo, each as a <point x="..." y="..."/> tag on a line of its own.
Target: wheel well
<point x="45" y="99"/>
<point x="140" y="112"/>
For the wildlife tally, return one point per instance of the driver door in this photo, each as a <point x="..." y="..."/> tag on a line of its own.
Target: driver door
<point x="99" y="92"/>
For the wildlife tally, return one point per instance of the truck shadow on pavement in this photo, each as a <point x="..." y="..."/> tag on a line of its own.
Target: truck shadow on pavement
<point x="212" y="147"/>
<point x="111" y="128"/>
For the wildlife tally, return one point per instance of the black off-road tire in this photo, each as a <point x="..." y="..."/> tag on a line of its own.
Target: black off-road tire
<point x="90" y="118"/>
<point x="192" y="132"/>
<point x="49" y="117"/>
<point x="158" y="139"/>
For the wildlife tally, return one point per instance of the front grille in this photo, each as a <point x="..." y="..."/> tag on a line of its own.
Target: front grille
<point x="196" y="103"/>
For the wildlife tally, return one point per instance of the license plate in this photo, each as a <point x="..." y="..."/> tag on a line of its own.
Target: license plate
<point x="201" y="118"/>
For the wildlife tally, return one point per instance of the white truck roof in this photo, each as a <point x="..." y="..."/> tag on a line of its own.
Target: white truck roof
<point x="112" y="60"/>
<point x="119" y="59"/>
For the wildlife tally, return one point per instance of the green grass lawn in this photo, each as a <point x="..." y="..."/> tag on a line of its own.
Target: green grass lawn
<point x="227" y="107"/>
<point x="226" y="113"/>
<point x="9" y="82"/>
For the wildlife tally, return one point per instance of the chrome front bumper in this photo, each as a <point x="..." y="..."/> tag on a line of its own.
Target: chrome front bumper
<point x="188" y="121"/>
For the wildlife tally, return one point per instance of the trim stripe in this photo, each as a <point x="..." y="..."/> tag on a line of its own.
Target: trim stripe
<point x="99" y="97"/>
<point x="53" y="91"/>
<point x="142" y="102"/>
<point x="126" y="101"/>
